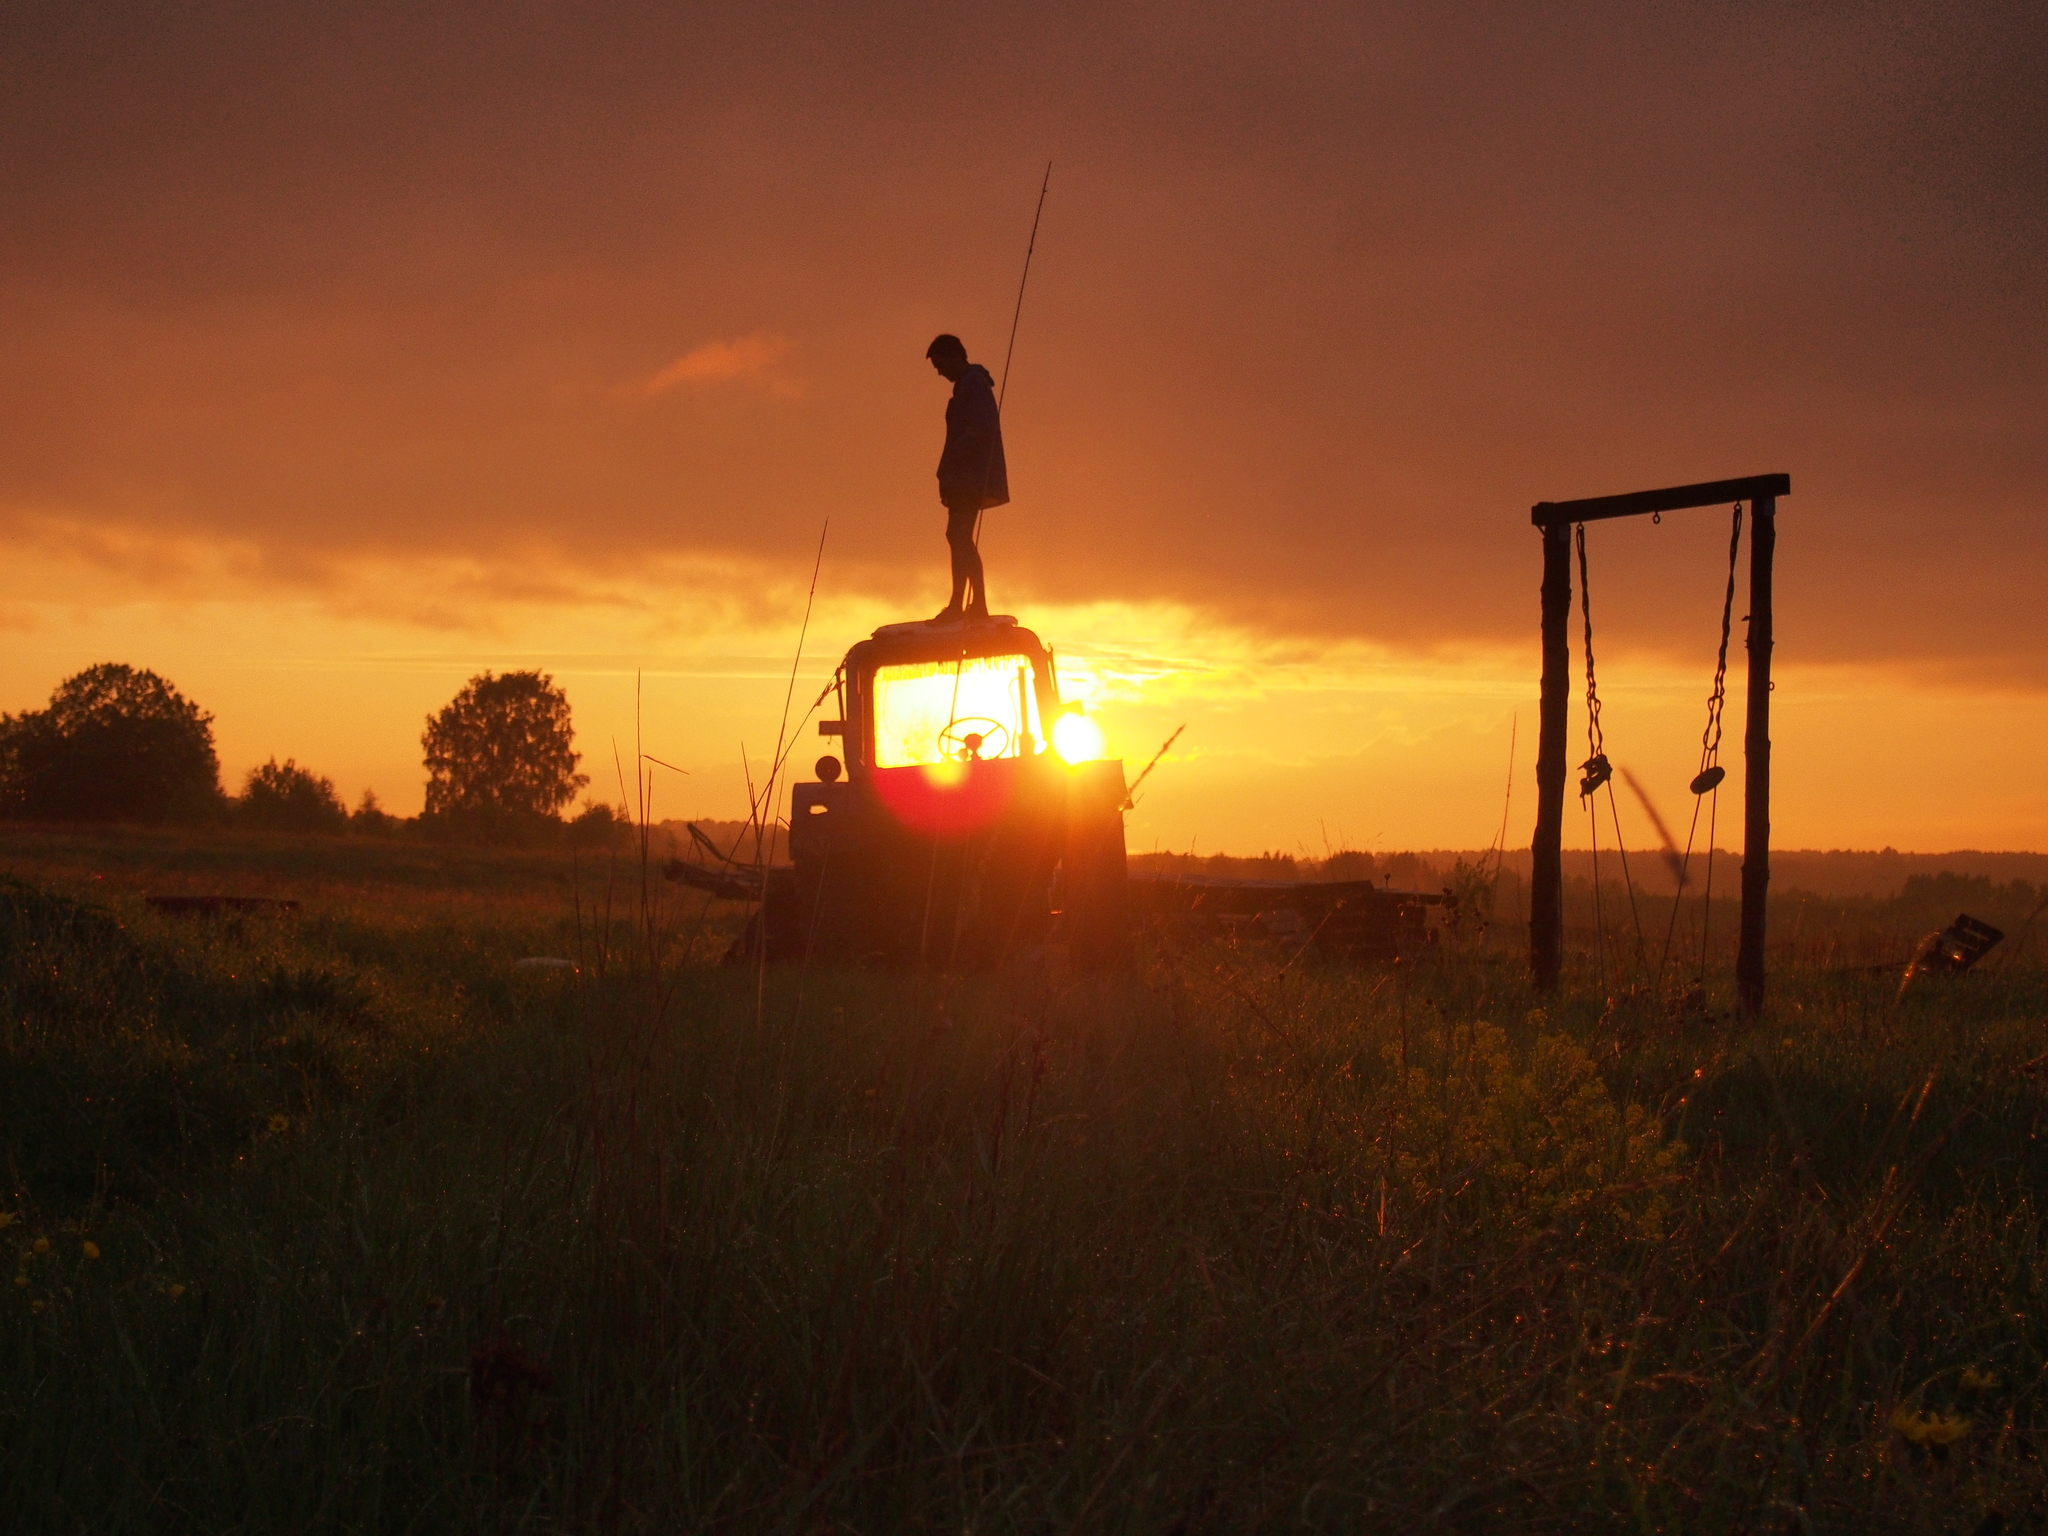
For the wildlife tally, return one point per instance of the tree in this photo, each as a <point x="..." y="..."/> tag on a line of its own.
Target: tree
<point x="115" y="744"/>
<point x="502" y="745"/>
<point x="283" y="797"/>
<point x="599" y="825"/>
<point x="370" y="816"/>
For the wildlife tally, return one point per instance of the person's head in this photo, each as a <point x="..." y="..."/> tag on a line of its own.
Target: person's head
<point x="949" y="355"/>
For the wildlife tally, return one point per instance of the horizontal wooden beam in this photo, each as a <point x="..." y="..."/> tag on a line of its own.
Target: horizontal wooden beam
<point x="1551" y="514"/>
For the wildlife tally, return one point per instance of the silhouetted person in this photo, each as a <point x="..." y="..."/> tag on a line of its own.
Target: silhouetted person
<point x="972" y="475"/>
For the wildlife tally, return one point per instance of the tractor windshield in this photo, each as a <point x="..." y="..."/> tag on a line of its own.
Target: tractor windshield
<point x="971" y="710"/>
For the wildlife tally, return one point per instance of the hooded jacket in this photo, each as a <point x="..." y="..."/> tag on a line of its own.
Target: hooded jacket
<point x="971" y="470"/>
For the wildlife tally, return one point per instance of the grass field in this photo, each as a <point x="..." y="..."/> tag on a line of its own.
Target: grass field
<point x="341" y="1221"/>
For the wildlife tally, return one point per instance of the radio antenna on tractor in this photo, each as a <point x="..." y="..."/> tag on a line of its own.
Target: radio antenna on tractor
<point x="1003" y="387"/>
<point x="1018" y="313"/>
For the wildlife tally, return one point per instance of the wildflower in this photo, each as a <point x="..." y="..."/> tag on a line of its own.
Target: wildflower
<point x="22" y="1281"/>
<point x="35" y="1306"/>
<point x="90" y="1249"/>
<point x="41" y="1245"/>
<point x="1930" y="1429"/>
<point x="1974" y="1380"/>
<point x="279" y="1124"/>
<point x="6" y="1220"/>
<point x="174" y="1291"/>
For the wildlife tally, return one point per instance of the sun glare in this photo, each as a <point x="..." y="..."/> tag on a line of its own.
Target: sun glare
<point x="1076" y="738"/>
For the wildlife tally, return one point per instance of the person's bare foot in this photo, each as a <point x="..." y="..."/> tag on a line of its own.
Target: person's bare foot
<point x="946" y="615"/>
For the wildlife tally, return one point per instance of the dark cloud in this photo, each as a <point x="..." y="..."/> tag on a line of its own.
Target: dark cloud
<point x="1326" y="295"/>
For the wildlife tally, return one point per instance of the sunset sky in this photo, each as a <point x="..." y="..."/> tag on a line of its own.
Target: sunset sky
<point x="353" y="349"/>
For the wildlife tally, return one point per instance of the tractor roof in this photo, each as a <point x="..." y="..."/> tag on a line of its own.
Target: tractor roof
<point x="895" y="645"/>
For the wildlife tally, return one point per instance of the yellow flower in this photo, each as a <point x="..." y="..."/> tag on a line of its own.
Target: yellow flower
<point x="90" y="1250"/>
<point x="1974" y="1380"/>
<point x="6" y="1220"/>
<point x="279" y="1124"/>
<point x="21" y="1280"/>
<point x="174" y="1292"/>
<point x="35" y="1306"/>
<point x="41" y="1245"/>
<point x="1930" y="1428"/>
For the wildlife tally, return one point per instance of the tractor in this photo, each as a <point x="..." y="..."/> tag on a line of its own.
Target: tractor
<point x="968" y="818"/>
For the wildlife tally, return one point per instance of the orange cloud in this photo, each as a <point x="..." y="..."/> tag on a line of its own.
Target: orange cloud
<point x="751" y="357"/>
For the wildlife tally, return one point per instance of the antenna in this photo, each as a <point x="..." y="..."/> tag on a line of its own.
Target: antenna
<point x="1018" y="313"/>
<point x="1003" y="388"/>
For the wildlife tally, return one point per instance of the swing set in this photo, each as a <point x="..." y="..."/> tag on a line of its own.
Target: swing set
<point x="1563" y="526"/>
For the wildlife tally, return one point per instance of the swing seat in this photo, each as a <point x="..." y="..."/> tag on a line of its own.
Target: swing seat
<point x="1709" y="779"/>
<point x="1597" y="771"/>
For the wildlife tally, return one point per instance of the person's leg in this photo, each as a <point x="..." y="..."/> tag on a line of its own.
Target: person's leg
<point x="967" y="575"/>
<point x="952" y="608"/>
<point x="967" y="572"/>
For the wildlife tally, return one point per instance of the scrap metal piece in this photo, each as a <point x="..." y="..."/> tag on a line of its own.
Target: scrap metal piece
<point x="1952" y="951"/>
<point x="1349" y="921"/>
<point x="738" y="883"/>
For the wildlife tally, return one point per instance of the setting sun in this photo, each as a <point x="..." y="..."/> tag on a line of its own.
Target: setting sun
<point x="1076" y="738"/>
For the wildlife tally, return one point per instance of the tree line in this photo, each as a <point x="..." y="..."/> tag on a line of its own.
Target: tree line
<point x="121" y="744"/>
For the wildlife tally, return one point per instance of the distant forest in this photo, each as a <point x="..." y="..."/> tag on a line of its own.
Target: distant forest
<point x="1815" y="872"/>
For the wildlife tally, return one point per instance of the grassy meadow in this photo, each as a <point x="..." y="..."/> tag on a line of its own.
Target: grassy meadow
<point x="343" y="1221"/>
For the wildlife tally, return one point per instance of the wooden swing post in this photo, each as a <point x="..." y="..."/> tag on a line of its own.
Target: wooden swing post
<point x="1546" y="896"/>
<point x="1554" y="519"/>
<point x="1756" y="758"/>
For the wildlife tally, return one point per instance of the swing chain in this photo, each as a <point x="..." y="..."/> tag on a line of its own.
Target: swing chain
<point x="1710" y="737"/>
<point x="1596" y="770"/>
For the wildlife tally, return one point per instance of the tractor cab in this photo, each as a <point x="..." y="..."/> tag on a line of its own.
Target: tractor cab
<point x="950" y="829"/>
<point x="939" y="721"/>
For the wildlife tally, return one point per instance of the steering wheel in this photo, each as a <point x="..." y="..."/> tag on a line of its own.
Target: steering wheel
<point x="971" y="738"/>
